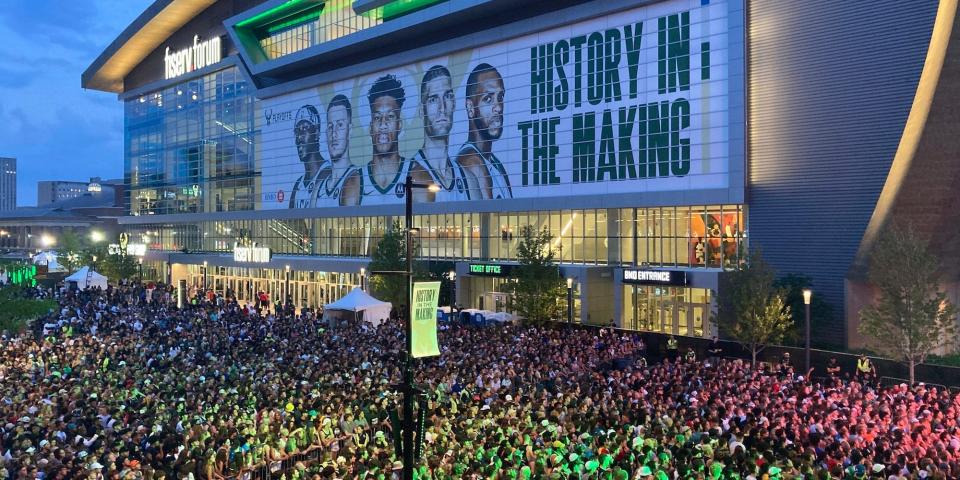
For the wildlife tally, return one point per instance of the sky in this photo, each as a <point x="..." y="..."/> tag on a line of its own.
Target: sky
<point x="55" y="129"/>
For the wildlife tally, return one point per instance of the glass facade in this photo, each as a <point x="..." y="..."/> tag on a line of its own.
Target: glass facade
<point x="307" y="288"/>
<point x="679" y="237"/>
<point x="190" y="147"/>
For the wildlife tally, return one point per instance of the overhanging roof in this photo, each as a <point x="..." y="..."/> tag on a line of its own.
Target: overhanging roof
<point x="144" y="35"/>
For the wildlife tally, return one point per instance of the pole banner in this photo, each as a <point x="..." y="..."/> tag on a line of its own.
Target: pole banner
<point x="426" y="297"/>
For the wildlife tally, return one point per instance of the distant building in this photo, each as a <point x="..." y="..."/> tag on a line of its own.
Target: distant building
<point x="8" y="183"/>
<point x="53" y="192"/>
<point x="34" y="228"/>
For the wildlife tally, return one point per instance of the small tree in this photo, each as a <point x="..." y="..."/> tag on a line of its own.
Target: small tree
<point x="750" y="309"/>
<point x="912" y="317"/>
<point x="71" y="250"/>
<point x="117" y="266"/>
<point x="390" y="255"/>
<point x="538" y="290"/>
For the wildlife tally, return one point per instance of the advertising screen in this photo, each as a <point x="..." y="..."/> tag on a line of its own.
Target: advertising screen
<point x="632" y="102"/>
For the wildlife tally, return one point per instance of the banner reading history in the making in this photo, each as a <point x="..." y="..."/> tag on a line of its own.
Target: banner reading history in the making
<point x="635" y="101"/>
<point x="426" y="298"/>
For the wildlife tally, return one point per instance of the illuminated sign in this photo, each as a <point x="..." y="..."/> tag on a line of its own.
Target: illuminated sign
<point x="251" y="254"/>
<point x="195" y="57"/>
<point x="655" y="277"/>
<point x="132" y="249"/>
<point x="490" y="269"/>
<point x="635" y="101"/>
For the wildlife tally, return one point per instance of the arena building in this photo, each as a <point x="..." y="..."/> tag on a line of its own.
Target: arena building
<point x="266" y="142"/>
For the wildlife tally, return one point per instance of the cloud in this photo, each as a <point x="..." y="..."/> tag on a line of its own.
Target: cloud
<point x="71" y="145"/>
<point x="68" y="24"/>
<point x="56" y="129"/>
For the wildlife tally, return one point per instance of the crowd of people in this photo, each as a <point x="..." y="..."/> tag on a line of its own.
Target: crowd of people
<point x="120" y="384"/>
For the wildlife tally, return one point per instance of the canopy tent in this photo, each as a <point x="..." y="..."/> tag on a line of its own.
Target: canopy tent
<point x="49" y="258"/>
<point x="358" y="301"/>
<point x="85" y="278"/>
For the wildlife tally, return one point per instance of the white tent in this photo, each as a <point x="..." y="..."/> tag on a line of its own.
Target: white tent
<point x="85" y="277"/>
<point x="357" y="301"/>
<point x="49" y="259"/>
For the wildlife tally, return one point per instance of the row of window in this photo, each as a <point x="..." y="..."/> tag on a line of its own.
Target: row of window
<point x="700" y="236"/>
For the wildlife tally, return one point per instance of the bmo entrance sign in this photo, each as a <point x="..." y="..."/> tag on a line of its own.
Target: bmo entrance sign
<point x="655" y="277"/>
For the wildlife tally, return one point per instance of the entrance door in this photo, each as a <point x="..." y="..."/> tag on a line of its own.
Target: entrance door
<point x="495" y="301"/>
<point x="699" y="317"/>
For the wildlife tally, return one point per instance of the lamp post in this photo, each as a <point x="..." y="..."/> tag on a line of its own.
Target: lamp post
<point x="286" y="288"/>
<point x="807" y="294"/>
<point x="204" y="277"/>
<point x="570" y="300"/>
<point x="140" y="268"/>
<point x="363" y="279"/>
<point x="452" y="275"/>
<point x="408" y="390"/>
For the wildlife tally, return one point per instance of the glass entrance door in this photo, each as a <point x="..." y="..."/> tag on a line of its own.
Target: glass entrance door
<point x="671" y="310"/>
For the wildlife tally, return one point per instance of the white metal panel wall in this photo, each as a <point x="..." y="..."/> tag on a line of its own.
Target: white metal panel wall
<point x="830" y="85"/>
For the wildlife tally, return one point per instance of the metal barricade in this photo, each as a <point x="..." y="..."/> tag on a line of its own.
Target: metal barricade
<point x="276" y="469"/>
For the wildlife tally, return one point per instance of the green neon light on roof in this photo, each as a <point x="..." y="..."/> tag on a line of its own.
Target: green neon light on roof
<point x="299" y="20"/>
<point x="290" y="7"/>
<point x="399" y="8"/>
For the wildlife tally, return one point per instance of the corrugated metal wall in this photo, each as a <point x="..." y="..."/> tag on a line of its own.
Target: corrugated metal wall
<point x="830" y="87"/>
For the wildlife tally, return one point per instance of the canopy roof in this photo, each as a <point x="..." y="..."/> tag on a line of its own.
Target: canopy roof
<point x="357" y="301"/>
<point x="139" y="39"/>
<point x="81" y="275"/>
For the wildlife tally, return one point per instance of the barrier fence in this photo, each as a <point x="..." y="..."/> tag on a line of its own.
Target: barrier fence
<point x="274" y="470"/>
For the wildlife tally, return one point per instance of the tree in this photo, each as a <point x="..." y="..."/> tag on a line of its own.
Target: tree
<point x="71" y="250"/>
<point x="751" y="310"/>
<point x="390" y="254"/>
<point x="117" y="266"/>
<point x="912" y="317"/>
<point x="538" y="289"/>
<point x="821" y="313"/>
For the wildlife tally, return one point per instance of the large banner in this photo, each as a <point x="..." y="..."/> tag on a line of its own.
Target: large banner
<point x="631" y="102"/>
<point x="423" y="326"/>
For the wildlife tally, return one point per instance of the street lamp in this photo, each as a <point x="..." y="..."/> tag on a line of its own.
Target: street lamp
<point x="140" y="261"/>
<point x="96" y="236"/>
<point x="286" y="288"/>
<point x="408" y="390"/>
<point x="569" y="300"/>
<point x="452" y="275"/>
<point x="363" y="279"/>
<point x="47" y="241"/>
<point x="204" y="277"/>
<point x="807" y="294"/>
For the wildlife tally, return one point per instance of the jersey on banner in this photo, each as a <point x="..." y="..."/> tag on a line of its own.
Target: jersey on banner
<point x="632" y="102"/>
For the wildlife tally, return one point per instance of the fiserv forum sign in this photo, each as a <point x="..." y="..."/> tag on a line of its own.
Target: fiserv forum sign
<point x="630" y="102"/>
<point x="194" y="57"/>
